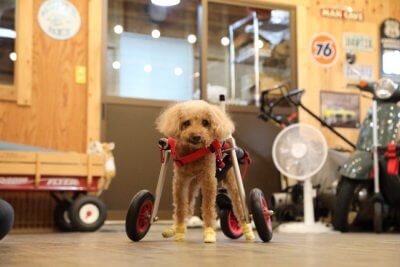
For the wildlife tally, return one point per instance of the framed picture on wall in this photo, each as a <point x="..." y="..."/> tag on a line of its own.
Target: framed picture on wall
<point x="340" y="109"/>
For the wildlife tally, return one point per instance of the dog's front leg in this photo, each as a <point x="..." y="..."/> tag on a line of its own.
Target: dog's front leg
<point x="180" y="199"/>
<point x="209" y="192"/>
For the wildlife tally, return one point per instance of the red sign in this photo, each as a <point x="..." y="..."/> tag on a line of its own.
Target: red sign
<point x="342" y="13"/>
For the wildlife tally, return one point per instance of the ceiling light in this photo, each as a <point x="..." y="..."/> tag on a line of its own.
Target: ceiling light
<point x="165" y="2"/>
<point x="191" y="38"/>
<point x="13" y="56"/>
<point x="260" y="44"/>
<point x="178" y="71"/>
<point x="116" y="65"/>
<point x="118" y="29"/>
<point x="148" y="68"/>
<point x="225" y="41"/>
<point x="155" y="33"/>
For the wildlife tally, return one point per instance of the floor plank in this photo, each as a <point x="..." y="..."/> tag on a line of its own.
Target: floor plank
<point x="111" y="247"/>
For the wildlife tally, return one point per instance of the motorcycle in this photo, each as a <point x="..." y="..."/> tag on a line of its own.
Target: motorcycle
<point x="369" y="189"/>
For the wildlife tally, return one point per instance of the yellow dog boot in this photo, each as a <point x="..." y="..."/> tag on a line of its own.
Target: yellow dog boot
<point x="169" y="232"/>
<point x="209" y="235"/>
<point x="180" y="232"/>
<point x="248" y="231"/>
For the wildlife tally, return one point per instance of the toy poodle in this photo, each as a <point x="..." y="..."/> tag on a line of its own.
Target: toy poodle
<point x="195" y="125"/>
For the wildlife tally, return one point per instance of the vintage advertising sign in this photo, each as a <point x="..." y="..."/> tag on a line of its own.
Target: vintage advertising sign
<point x="357" y="42"/>
<point x="59" y="19"/>
<point x="366" y="72"/>
<point x="390" y="49"/>
<point x="324" y="49"/>
<point x="342" y="13"/>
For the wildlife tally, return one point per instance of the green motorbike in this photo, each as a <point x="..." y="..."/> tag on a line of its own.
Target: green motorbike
<point x="369" y="190"/>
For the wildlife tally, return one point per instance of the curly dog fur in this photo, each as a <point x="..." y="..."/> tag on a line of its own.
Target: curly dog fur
<point x="195" y="124"/>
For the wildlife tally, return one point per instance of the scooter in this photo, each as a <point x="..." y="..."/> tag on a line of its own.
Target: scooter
<point x="6" y="218"/>
<point x="370" y="183"/>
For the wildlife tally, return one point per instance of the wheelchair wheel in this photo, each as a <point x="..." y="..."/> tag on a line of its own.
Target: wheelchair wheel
<point x="6" y="218"/>
<point x="138" y="218"/>
<point x="230" y="226"/>
<point x="260" y="212"/>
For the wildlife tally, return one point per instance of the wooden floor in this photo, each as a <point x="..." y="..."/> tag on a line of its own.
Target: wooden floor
<point x="110" y="247"/>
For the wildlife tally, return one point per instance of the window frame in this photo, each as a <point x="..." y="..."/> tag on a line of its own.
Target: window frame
<point x="20" y="91"/>
<point x="202" y="24"/>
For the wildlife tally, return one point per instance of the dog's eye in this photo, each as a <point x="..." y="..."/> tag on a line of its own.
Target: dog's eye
<point x="186" y="124"/>
<point x="205" y="123"/>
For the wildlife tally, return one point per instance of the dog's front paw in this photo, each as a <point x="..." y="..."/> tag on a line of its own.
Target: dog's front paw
<point x="210" y="235"/>
<point x="169" y="232"/>
<point x="180" y="232"/>
<point x="248" y="231"/>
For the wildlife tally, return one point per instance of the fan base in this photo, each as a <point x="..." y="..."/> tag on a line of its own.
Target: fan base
<point x="302" y="228"/>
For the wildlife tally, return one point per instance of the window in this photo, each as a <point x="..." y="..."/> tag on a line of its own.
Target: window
<point x="242" y="79"/>
<point x="152" y="51"/>
<point x="16" y="56"/>
<point x="7" y="42"/>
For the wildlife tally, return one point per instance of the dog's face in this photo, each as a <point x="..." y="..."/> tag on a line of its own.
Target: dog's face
<point x="195" y="123"/>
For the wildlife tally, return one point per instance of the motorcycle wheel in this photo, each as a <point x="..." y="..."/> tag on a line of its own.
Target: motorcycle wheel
<point x="344" y="197"/>
<point x="378" y="217"/>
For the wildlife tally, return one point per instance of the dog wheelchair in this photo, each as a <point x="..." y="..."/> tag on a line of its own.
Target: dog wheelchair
<point x="142" y="211"/>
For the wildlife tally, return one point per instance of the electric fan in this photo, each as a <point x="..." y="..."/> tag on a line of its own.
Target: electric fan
<point x="299" y="152"/>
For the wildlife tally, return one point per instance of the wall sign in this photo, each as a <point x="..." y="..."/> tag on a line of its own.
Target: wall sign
<point x="390" y="49"/>
<point x="366" y="72"/>
<point x="59" y="19"/>
<point x="357" y="42"/>
<point x="342" y="13"/>
<point x="340" y="109"/>
<point x="324" y="49"/>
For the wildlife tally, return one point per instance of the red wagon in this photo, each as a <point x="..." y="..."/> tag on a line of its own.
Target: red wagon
<point x="74" y="180"/>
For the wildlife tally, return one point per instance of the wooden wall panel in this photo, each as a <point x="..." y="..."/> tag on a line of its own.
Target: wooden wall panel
<point x="314" y="78"/>
<point x="57" y="117"/>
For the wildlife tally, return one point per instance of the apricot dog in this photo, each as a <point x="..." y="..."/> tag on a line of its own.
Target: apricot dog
<point x="195" y="125"/>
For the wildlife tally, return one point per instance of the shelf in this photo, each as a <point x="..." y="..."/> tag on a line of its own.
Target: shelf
<point x="248" y="55"/>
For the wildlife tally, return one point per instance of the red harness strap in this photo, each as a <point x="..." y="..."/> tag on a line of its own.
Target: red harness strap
<point x="392" y="166"/>
<point x="215" y="147"/>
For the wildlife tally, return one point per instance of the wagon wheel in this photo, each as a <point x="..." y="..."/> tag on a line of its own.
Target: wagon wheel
<point x="87" y="213"/>
<point x="61" y="217"/>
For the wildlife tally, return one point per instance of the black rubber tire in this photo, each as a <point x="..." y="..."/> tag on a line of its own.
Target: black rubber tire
<point x="226" y="225"/>
<point x="257" y="202"/>
<point x="344" y="197"/>
<point x="378" y="217"/>
<point x="77" y="223"/>
<point x="6" y="218"/>
<point x="132" y="216"/>
<point x="61" y="217"/>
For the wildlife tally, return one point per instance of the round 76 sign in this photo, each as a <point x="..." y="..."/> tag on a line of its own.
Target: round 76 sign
<point x="324" y="49"/>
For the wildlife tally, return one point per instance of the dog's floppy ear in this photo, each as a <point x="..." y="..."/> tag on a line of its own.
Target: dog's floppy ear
<point x="221" y="124"/>
<point x="168" y="123"/>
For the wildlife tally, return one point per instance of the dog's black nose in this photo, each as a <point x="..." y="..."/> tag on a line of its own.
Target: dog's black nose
<point x="195" y="139"/>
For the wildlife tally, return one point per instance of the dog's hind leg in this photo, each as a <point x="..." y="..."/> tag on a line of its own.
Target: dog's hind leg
<point x="231" y="186"/>
<point x="209" y="192"/>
